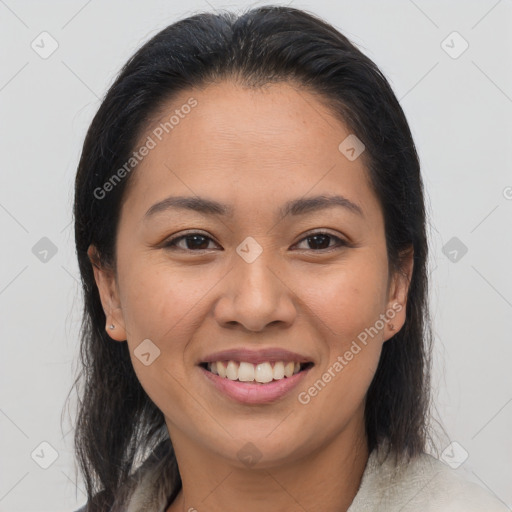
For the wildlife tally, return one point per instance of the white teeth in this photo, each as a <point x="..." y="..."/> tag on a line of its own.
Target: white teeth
<point x="263" y="372"/>
<point x="279" y="370"/>
<point x="288" y="369"/>
<point x="232" y="370"/>
<point x="248" y="372"/>
<point x="221" y="369"/>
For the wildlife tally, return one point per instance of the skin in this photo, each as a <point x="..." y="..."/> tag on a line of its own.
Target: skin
<point x="254" y="150"/>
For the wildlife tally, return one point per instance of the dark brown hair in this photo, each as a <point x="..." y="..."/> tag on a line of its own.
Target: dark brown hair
<point x="118" y="425"/>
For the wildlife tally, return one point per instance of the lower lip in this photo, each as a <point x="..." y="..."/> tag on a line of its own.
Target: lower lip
<point x="251" y="393"/>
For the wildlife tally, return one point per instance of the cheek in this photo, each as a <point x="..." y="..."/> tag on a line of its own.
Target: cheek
<point x="160" y="302"/>
<point x="348" y="299"/>
<point x="348" y="308"/>
<point x="348" y="303"/>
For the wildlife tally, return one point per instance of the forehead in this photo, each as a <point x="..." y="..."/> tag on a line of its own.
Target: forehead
<point x="270" y="142"/>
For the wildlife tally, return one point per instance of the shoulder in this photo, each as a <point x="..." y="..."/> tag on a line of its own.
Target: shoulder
<point x="437" y="487"/>
<point x="424" y="484"/>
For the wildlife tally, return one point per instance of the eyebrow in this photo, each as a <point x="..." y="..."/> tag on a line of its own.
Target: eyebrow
<point x="294" y="207"/>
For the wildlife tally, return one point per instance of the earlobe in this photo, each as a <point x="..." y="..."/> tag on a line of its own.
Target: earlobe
<point x="399" y="289"/>
<point x="107" y="289"/>
<point x="117" y="333"/>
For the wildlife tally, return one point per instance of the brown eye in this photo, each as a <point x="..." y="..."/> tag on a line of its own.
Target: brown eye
<point x="321" y="241"/>
<point x="193" y="242"/>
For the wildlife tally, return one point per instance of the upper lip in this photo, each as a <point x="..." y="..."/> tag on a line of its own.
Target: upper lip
<point x="255" y="356"/>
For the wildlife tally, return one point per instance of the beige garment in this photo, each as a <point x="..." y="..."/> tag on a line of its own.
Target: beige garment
<point x="424" y="485"/>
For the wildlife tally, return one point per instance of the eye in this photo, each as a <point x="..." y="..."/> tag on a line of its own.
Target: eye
<point x="320" y="241"/>
<point x="193" y="242"/>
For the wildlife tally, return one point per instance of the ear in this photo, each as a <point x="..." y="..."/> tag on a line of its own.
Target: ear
<point x="109" y="295"/>
<point x="397" y="294"/>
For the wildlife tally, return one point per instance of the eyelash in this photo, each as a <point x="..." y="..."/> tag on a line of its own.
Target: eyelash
<point x="172" y="242"/>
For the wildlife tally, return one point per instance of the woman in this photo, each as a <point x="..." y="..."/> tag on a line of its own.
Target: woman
<point x="250" y="229"/>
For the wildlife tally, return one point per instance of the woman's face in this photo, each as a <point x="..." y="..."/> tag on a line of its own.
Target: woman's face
<point x="252" y="283"/>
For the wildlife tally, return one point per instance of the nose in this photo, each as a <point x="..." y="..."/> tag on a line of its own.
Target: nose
<point x="256" y="295"/>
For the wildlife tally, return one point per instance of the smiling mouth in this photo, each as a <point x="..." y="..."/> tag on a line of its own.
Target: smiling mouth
<point x="261" y="373"/>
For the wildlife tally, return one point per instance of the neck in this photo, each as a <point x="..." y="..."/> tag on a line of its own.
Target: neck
<point x="326" y="479"/>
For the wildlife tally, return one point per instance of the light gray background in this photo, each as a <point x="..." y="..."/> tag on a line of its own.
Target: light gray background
<point x="458" y="110"/>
